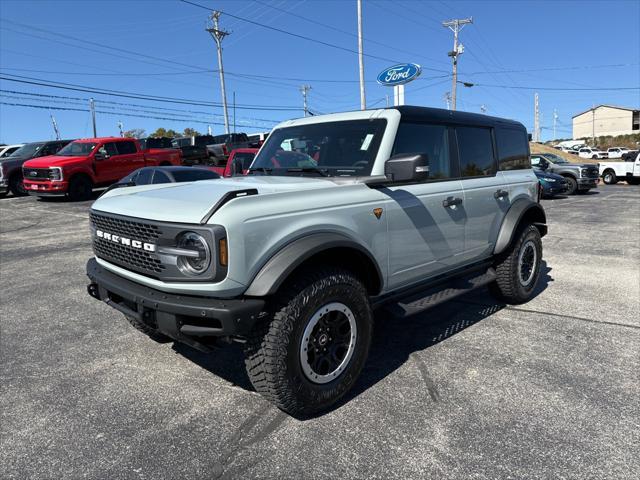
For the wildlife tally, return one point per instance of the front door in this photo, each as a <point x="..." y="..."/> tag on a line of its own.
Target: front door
<point x="486" y="196"/>
<point x="425" y="220"/>
<point x="108" y="169"/>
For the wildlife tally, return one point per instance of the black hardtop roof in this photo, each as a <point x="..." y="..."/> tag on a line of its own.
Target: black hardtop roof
<point x="410" y="112"/>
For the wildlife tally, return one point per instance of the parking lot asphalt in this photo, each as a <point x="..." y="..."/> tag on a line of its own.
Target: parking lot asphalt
<point x="471" y="389"/>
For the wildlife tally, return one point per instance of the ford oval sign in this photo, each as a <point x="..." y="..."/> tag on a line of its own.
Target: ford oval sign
<point x="399" y="74"/>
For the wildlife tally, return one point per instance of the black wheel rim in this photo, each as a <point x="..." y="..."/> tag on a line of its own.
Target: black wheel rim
<point x="328" y="342"/>
<point x="527" y="263"/>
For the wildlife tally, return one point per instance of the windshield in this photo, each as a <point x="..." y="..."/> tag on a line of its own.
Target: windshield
<point x="28" y="151"/>
<point x="346" y="148"/>
<point x="77" y="149"/>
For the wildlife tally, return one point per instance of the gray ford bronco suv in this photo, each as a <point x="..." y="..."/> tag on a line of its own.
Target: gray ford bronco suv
<point x="340" y="215"/>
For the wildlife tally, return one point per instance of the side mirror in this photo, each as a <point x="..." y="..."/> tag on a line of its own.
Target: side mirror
<point x="407" y="167"/>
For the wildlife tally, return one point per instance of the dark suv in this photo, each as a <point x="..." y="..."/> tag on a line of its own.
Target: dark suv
<point x="11" y="166"/>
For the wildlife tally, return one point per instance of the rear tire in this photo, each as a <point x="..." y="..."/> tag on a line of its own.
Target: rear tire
<point x="609" y="177"/>
<point x="16" y="185"/>
<point x="147" y="330"/>
<point x="308" y="352"/>
<point x="572" y="185"/>
<point x="80" y="188"/>
<point x="518" y="269"/>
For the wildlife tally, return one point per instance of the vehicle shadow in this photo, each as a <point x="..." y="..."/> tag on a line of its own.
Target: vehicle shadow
<point x="65" y="199"/>
<point x="393" y="342"/>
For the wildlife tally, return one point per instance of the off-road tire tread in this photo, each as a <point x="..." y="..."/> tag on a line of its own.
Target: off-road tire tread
<point x="267" y="344"/>
<point x="505" y="286"/>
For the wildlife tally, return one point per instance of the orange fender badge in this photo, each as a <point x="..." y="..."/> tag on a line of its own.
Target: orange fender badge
<point x="377" y="212"/>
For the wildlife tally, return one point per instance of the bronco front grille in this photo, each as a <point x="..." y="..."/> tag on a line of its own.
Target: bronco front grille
<point x="127" y="256"/>
<point x="36" y="173"/>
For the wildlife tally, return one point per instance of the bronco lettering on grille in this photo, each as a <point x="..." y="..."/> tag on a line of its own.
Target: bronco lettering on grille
<point x="112" y="237"/>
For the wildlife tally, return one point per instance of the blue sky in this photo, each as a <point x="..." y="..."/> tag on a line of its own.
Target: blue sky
<point x="160" y="48"/>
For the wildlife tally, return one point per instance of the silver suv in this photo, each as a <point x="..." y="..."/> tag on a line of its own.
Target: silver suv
<point x="340" y="214"/>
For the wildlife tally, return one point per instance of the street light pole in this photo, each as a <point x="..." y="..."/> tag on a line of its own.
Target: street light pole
<point x="363" y="99"/>
<point x="218" y="35"/>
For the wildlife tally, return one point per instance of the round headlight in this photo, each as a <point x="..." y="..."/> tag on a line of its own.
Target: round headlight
<point x="194" y="265"/>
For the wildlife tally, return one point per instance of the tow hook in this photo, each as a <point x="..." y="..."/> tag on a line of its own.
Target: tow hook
<point x="92" y="289"/>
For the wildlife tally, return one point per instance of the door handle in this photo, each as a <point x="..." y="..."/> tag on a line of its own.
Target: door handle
<point x="500" y="194"/>
<point x="451" y="202"/>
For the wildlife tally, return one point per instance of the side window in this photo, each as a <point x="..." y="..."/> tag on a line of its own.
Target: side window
<point x="48" y="149"/>
<point x="109" y="149"/>
<point x="144" y="176"/>
<point x="432" y="140"/>
<point x="475" y="149"/>
<point x="513" y="149"/>
<point x="125" y="148"/>
<point x="160" y="177"/>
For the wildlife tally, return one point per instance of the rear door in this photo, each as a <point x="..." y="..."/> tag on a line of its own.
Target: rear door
<point x="426" y="220"/>
<point x="129" y="159"/>
<point x="486" y="198"/>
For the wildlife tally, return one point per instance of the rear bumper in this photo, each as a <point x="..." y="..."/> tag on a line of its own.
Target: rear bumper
<point x="184" y="318"/>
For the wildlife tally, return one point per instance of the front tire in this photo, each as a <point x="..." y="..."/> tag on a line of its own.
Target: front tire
<point x="308" y="352"/>
<point x="609" y="177"/>
<point x="572" y="185"/>
<point x="16" y="185"/>
<point x="518" y="269"/>
<point x="80" y="188"/>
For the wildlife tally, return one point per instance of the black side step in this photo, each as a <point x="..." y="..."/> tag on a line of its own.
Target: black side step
<point x="435" y="295"/>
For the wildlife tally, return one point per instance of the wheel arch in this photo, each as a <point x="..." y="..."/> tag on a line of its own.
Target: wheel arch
<point x="522" y="211"/>
<point x="319" y="248"/>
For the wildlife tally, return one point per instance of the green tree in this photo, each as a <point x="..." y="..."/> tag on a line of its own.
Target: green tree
<point x="191" y="132"/>
<point x="135" y="133"/>
<point x="160" y="132"/>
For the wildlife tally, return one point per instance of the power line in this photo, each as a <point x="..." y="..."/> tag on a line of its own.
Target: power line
<point x="563" y="89"/>
<point x="120" y="93"/>
<point x="296" y="35"/>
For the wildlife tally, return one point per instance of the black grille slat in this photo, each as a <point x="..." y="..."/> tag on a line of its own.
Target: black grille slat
<point x="126" y="256"/>
<point x="36" y="173"/>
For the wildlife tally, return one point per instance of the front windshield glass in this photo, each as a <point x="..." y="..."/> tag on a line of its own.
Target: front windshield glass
<point x="77" y="149"/>
<point x="28" y="151"/>
<point x="346" y="148"/>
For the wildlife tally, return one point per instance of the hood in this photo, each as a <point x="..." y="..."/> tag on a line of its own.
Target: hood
<point x="190" y="202"/>
<point x="541" y="174"/>
<point x="52" y="161"/>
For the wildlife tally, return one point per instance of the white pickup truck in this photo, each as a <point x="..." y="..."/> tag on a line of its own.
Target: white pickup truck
<point x="617" y="152"/>
<point x="629" y="170"/>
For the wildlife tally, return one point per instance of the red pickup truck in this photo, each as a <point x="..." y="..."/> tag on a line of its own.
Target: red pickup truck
<point x="237" y="163"/>
<point x="86" y="164"/>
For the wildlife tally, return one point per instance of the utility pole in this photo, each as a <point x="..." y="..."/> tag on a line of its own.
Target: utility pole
<point x="363" y="99"/>
<point x="555" y="121"/>
<point x="120" y="127"/>
<point x="455" y="26"/>
<point x="234" y="112"/>
<point x="304" y="89"/>
<point x="593" y="125"/>
<point x="55" y="126"/>
<point x="447" y="99"/>
<point x="536" y="119"/>
<point x="218" y="35"/>
<point x="92" y="107"/>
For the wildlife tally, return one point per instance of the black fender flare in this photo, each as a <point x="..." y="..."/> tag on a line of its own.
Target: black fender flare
<point x="273" y="273"/>
<point x="521" y="208"/>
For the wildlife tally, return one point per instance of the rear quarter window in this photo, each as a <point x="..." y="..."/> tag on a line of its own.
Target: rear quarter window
<point x="513" y="149"/>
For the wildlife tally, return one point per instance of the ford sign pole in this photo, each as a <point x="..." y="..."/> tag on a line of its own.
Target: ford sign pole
<point x="397" y="76"/>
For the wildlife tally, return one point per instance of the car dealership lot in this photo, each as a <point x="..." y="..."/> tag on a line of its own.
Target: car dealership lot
<point x="469" y="389"/>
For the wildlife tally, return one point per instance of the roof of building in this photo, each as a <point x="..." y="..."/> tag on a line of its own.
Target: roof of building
<point x="605" y="105"/>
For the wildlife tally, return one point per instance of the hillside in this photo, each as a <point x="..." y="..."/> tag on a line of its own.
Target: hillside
<point x="539" y="148"/>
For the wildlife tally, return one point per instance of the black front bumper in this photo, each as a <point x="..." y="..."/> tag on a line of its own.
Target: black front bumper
<point x="587" y="183"/>
<point x="184" y="318"/>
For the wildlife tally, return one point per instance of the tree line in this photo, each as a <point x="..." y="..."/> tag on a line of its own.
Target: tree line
<point x="161" y="132"/>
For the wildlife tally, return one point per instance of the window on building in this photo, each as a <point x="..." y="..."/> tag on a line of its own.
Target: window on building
<point x="475" y="149"/>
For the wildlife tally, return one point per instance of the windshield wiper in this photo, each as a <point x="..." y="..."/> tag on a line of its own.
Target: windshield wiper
<point x="265" y="170"/>
<point x="321" y="171"/>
